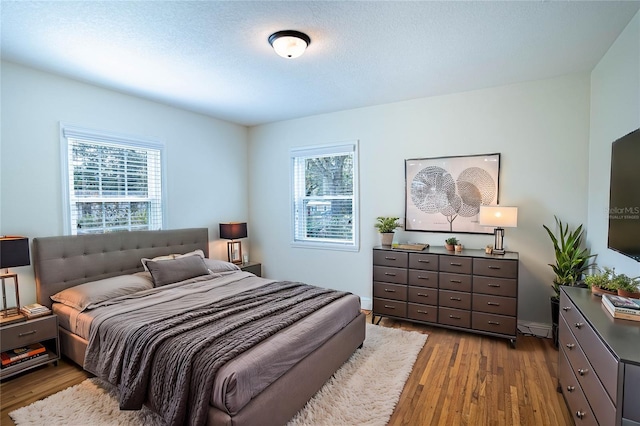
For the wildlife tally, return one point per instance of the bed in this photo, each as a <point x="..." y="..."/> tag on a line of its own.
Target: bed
<point x="265" y="385"/>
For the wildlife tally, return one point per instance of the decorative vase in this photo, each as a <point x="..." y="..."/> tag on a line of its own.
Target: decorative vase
<point x="386" y="238"/>
<point x="488" y="250"/>
<point x="458" y="248"/>
<point x="449" y="246"/>
<point x="631" y="294"/>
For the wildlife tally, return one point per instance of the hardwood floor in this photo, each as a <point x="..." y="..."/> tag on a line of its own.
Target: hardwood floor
<point x="458" y="379"/>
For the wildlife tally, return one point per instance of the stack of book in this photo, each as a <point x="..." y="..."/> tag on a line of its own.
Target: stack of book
<point x="19" y="355"/>
<point x="35" y="310"/>
<point x="622" y="307"/>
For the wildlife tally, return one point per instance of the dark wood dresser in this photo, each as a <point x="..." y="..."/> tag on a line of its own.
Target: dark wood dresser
<point x="470" y="290"/>
<point x="598" y="362"/>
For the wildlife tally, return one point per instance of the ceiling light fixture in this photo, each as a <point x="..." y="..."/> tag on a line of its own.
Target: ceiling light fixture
<point x="289" y="43"/>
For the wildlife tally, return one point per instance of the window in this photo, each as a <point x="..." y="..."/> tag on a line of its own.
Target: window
<point x="111" y="182"/>
<point x="324" y="197"/>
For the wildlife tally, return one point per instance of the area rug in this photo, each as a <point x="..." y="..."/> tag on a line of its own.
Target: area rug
<point x="364" y="391"/>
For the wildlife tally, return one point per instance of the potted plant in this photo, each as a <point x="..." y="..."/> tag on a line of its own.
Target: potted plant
<point x="458" y="247"/>
<point x="572" y="260"/>
<point x="601" y="282"/>
<point x="386" y="226"/>
<point x="627" y="286"/>
<point x="450" y="243"/>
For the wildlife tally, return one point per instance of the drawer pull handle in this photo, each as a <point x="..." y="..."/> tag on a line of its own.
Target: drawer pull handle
<point x="423" y="261"/>
<point x="390" y="258"/>
<point x="389" y="307"/>
<point x="456" y="281"/>
<point x="580" y="414"/>
<point x="570" y="346"/>
<point x="456" y="264"/>
<point x="579" y="325"/>
<point x="423" y="295"/>
<point x="582" y="371"/>
<point x="422" y="312"/>
<point x="455" y="298"/>
<point x="494" y="285"/>
<point x="493" y="267"/>
<point x="454" y="317"/>
<point x="493" y="322"/>
<point x="566" y="308"/>
<point x="571" y="388"/>
<point x="493" y="304"/>
<point x="27" y="333"/>
<point x="389" y="290"/>
<point x="390" y="274"/>
<point x="420" y="277"/>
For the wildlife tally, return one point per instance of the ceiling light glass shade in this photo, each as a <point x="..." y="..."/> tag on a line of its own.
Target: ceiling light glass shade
<point x="289" y="44"/>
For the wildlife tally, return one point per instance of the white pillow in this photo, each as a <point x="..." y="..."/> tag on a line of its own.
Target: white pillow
<point x="85" y="295"/>
<point x="172" y="256"/>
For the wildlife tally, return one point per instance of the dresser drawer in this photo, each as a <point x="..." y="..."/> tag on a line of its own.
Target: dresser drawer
<point x="393" y="308"/>
<point x="389" y="275"/>
<point x="497" y="286"/>
<point x="455" y="317"/>
<point x="596" y="395"/>
<point x="493" y="323"/>
<point x="390" y="291"/>
<point x="396" y="259"/>
<point x="494" y="304"/>
<point x="423" y="278"/>
<point x="457" y="264"/>
<point x="578" y="406"/>
<point x="495" y="268"/>
<point x="423" y="295"/>
<point x="24" y="333"/>
<point x="422" y="312"/>
<point x="456" y="282"/>
<point x="428" y="262"/>
<point x="605" y="364"/>
<point x="454" y="299"/>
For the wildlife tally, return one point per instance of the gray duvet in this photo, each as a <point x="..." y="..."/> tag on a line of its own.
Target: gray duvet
<point x="165" y="349"/>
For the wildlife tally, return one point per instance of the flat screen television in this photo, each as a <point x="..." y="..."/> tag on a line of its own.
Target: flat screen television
<point x="624" y="196"/>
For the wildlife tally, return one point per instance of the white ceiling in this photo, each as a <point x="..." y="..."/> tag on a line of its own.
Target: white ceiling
<point x="213" y="57"/>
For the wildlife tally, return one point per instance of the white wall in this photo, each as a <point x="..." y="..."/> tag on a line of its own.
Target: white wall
<point x="540" y="128"/>
<point x="206" y="158"/>
<point x="615" y="111"/>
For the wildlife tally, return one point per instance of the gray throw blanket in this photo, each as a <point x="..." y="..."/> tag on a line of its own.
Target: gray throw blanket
<point x="170" y="362"/>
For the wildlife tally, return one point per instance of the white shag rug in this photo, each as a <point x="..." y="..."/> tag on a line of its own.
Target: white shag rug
<point x="364" y="391"/>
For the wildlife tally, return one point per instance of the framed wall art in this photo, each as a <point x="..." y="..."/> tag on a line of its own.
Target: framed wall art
<point x="445" y="194"/>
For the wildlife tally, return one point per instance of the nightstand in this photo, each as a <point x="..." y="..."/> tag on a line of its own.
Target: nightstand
<point x="38" y="330"/>
<point x="254" y="267"/>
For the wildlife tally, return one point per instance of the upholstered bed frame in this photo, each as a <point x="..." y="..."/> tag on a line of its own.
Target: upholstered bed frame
<point x="63" y="262"/>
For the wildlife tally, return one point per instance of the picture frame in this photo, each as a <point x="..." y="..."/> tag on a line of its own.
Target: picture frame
<point x="444" y="194"/>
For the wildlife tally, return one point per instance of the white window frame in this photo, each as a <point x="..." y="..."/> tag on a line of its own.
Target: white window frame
<point x="104" y="138"/>
<point x="322" y="150"/>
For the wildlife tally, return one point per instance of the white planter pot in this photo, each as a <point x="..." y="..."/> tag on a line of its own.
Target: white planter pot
<point x="386" y="238"/>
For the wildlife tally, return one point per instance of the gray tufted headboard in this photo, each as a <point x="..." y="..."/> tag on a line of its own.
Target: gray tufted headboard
<point x="63" y="262"/>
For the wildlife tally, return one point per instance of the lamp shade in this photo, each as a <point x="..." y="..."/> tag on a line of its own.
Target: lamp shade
<point x="500" y="216"/>
<point x="14" y="251"/>
<point x="233" y="230"/>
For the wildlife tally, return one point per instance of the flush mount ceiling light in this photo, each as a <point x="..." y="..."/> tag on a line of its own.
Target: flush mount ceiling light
<point x="289" y="43"/>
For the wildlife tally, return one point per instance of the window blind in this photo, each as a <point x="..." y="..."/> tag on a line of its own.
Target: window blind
<point x="324" y="198"/>
<point x="112" y="186"/>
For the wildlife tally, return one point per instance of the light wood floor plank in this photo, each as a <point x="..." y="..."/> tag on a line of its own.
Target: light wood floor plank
<point x="458" y="379"/>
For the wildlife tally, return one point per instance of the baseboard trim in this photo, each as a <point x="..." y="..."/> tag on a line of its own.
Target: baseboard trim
<point x="366" y="303"/>
<point x="535" y="328"/>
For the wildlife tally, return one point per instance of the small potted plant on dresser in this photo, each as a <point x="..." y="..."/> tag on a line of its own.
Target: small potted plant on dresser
<point x="450" y="243"/>
<point x="601" y="282"/>
<point x="627" y="286"/>
<point x="387" y="226"/>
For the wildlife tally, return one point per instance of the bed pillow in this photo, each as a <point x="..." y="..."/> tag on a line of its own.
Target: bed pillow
<point x="172" y="271"/>
<point x="84" y="295"/>
<point x="144" y="260"/>
<point x="216" y="265"/>
<point x="191" y="253"/>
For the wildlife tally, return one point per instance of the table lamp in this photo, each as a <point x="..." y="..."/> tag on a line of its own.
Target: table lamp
<point x="14" y="251"/>
<point x="233" y="231"/>
<point x="500" y="217"/>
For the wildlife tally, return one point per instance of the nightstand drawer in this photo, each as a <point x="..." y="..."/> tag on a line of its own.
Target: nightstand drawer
<point x="34" y="331"/>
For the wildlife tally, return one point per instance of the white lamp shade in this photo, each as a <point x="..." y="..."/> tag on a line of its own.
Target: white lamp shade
<point x="499" y="216"/>
<point x="289" y="46"/>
